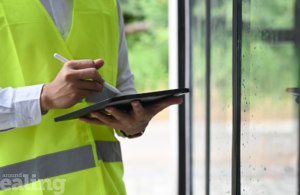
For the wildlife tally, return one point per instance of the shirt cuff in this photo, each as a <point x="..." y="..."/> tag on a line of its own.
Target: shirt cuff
<point x="6" y="130"/>
<point x="119" y="133"/>
<point x="27" y="105"/>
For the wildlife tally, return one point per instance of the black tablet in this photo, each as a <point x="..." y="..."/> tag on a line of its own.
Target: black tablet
<point x="293" y="91"/>
<point x="121" y="102"/>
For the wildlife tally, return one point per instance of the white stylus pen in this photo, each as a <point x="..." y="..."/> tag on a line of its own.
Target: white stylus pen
<point x="106" y="85"/>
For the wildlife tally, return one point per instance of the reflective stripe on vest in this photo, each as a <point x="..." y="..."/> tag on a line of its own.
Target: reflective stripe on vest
<point x="29" y="38"/>
<point x="61" y="163"/>
<point x="109" y="151"/>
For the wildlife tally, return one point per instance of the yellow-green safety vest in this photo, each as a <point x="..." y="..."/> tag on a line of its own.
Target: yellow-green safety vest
<point x="70" y="157"/>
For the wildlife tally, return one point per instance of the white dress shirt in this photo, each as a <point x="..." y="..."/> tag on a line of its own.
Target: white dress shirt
<point x="20" y="107"/>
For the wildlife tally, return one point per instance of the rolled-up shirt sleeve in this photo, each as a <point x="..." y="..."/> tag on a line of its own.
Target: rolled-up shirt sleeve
<point x="20" y="107"/>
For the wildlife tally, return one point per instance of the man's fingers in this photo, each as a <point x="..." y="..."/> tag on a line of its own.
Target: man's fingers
<point x="86" y="69"/>
<point x="81" y="64"/>
<point x="109" y="120"/>
<point x="99" y="63"/>
<point x="81" y="94"/>
<point x="91" y="121"/>
<point x="137" y="108"/>
<point x="90" y="73"/>
<point x="90" y="85"/>
<point x="162" y="104"/>
<point x="118" y="114"/>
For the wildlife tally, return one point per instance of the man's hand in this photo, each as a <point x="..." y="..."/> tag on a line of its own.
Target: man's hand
<point x="71" y="85"/>
<point x="134" y="121"/>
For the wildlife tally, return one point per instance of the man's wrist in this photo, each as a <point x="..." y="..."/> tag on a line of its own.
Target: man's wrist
<point x="45" y="103"/>
<point x="132" y="136"/>
<point x="27" y="105"/>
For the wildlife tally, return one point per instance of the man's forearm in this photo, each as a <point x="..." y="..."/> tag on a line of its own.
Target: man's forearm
<point x="20" y="107"/>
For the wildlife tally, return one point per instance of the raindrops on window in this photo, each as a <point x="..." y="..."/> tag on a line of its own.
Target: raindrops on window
<point x="269" y="123"/>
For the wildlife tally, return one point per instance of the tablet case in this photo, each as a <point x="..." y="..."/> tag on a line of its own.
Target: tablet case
<point x="122" y="102"/>
<point x="293" y="91"/>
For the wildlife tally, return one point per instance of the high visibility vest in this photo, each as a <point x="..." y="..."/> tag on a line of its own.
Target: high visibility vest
<point x="41" y="159"/>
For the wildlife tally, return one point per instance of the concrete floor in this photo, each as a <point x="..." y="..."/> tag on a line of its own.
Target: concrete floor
<point x="268" y="160"/>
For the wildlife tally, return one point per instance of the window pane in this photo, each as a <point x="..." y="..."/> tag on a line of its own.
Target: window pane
<point x="221" y="96"/>
<point x="269" y="114"/>
<point x="198" y="47"/>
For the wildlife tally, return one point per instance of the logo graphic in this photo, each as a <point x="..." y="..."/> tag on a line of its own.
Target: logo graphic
<point x="21" y="182"/>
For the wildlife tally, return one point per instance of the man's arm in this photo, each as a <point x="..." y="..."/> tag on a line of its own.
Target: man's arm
<point x="125" y="82"/>
<point x="30" y="107"/>
<point x="20" y="107"/>
<point x="137" y="119"/>
<point x="125" y="79"/>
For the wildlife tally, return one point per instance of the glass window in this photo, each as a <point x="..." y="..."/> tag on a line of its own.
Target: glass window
<point x="269" y="114"/>
<point x="221" y="96"/>
<point x="198" y="62"/>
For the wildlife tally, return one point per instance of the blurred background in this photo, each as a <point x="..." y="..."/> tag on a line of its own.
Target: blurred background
<point x="146" y="28"/>
<point x="270" y="64"/>
<point x="147" y="159"/>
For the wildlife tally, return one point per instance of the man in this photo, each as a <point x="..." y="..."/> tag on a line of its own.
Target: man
<point x="37" y="88"/>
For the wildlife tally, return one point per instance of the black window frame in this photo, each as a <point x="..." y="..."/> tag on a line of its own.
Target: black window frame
<point x="185" y="157"/>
